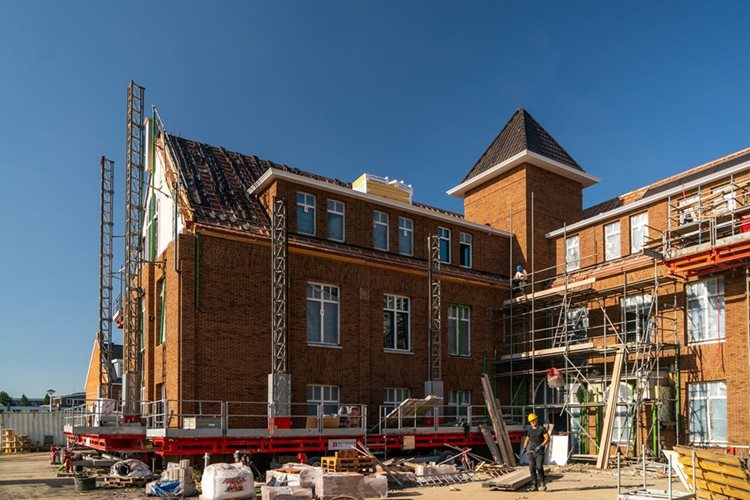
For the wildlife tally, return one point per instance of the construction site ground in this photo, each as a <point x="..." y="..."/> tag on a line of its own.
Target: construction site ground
<point x="29" y="476"/>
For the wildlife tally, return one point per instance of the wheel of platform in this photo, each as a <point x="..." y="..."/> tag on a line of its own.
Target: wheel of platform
<point x="314" y="461"/>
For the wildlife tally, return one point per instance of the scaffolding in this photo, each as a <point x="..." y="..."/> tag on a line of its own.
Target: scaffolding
<point x="574" y="318"/>
<point x="134" y="184"/>
<point x="106" y="369"/>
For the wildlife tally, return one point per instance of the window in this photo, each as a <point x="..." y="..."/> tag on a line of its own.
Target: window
<point x="459" y="330"/>
<point x="161" y="309"/>
<point x="705" y="301"/>
<point x="578" y="324"/>
<point x="612" y="241"/>
<point x="405" y="236"/>
<point x="622" y="425"/>
<point x="396" y="330"/>
<point x="464" y="250"/>
<point x="445" y="244"/>
<point x="335" y="223"/>
<point x="380" y="230"/>
<point x="322" y="314"/>
<point x="638" y="231"/>
<point x="638" y="318"/>
<point x="572" y="254"/>
<point x="708" y="412"/>
<point x="394" y="397"/>
<point x="460" y="401"/>
<point x="306" y="213"/>
<point x="325" y="395"/>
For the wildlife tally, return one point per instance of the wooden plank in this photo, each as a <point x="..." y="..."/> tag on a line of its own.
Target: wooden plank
<point x="708" y="455"/>
<point x="549" y="352"/>
<point x="498" y="425"/>
<point x="726" y="470"/>
<point x="510" y="482"/>
<point x="491" y="444"/>
<point x="734" y="482"/>
<point x="550" y="291"/>
<point x="602" y="459"/>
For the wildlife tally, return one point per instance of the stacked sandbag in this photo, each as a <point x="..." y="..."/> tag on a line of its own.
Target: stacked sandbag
<point x="330" y="485"/>
<point x="222" y="481"/>
<point x="285" y="493"/>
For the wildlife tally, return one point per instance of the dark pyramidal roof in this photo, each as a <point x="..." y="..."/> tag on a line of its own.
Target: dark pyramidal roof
<point x="522" y="132"/>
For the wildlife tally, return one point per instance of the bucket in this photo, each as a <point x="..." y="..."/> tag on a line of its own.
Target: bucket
<point x="85" y="483"/>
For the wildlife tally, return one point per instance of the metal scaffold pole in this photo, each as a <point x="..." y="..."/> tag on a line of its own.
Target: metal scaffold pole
<point x="134" y="182"/>
<point x="279" y="381"/>
<point x="106" y="224"/>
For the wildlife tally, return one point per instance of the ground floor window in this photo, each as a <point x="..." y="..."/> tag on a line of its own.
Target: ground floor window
<point x="622" y="427"/>
<point x="395" y="396"/>
<point x="459" y="402"/>
<point x="326" y="395"/>
<point x="708" y="412"/>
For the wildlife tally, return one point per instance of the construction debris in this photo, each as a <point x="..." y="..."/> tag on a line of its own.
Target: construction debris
<point x="498" y="424"/>
<point x="177" y="480"/>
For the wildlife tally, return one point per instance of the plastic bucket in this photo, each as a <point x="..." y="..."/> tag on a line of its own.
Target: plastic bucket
<point x="85" y="483"/>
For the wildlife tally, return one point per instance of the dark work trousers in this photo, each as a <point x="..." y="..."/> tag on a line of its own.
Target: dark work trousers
<point x="536" y="466"/>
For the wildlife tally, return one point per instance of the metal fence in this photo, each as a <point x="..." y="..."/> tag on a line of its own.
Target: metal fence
<point x="36" y="425"/>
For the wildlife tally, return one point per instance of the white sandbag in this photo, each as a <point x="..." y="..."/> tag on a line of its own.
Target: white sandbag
<point x="375" y="486"/>
<point x="130" y="468"/>
<point x="221" y="481"/>
<point x="332" y="485"/>
<point x="285" y="493"/>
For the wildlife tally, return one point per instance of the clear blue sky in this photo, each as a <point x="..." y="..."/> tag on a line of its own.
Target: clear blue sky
<point x="416" y="90"/>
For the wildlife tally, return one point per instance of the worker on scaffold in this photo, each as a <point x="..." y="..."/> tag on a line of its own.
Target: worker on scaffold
<point x="534" y="444"/>
<point x="520" y="279"/>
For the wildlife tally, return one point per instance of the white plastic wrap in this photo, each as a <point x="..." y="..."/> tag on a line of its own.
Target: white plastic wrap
<point x="376" y="486"/>
<point x="332" y="485"/>
<point x="130" y="468"/>
<point x="222" y="481"/>
<point x="285" y="493"/>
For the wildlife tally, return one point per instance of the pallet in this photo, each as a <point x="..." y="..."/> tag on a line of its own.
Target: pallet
<point x="125" y="482"/>
<point x="362" y="465"/>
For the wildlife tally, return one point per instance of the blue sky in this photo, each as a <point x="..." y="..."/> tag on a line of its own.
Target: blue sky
<point x="635" y="91"/>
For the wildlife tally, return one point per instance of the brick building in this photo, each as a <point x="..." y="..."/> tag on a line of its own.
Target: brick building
<point x="658" y="273"/>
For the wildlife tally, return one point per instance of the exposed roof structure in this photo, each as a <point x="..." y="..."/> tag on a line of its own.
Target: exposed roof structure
<point x="522" y="132"/>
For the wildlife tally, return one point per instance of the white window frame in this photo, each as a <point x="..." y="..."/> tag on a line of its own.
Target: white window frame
<point x="706" y="392"/>
<point x="397" y="305"/>
<point x="577" y="324"/>
<point x="380" y="219"/>
<point x="622" y="425"/>
<point x="322" y="301"/>
<point x="640" y="305"/>
<point x="406" y="229"/>
<point x="444" y="234"/>
<point x="459" y="323"/>
<point x="460" y="399"/>
<point x="394" y="396"/>
<point x="306" y="205"/>
<point x="638" y="221"/>
<point x="465" y="240"/>
<point x="572" y="253"/>
<point x="336" y="211"/>
<point x="612" y="241"/>
<point x="325" y="398"/>
<point x="712" y="321"/>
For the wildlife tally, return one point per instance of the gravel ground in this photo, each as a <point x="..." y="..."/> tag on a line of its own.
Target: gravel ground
<point x="29" y="476"/>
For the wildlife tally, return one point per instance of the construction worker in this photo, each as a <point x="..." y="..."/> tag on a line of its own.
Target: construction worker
<point x="521" y="278"/>
<point x="534" y="444"/>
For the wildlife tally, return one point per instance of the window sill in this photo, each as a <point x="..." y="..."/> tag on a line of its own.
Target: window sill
<point x="707" y="342"/>
<point x="460" y="356"/>
<point x="325" y="346"/>
<point x="465" y="267"/>
<point x="397" y="351"/>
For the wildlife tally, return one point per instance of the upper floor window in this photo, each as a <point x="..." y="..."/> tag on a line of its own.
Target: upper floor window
<point x="459" y="330"/>
<point x="577" y="324"/>
<point x="638" y="315"/>
<point x="465" y="250"/>
<point x="612" y="241"/>
<point x="322" y="314"/>
<point x="705" y="309"/>
<point x="572" y="254"/>
<point x="396" y="324"/>
<point x="638" y="231"/>
<point x="335" y="221"/>
<point x="380" y="230"/>
<point x="405" y="236"/>
<point x="444" y="235"/>
<point x="305" y="213"/>
<point x="707" y="402"/>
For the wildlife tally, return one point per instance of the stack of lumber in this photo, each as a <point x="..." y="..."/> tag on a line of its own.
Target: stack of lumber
<point x="348" y="461"/>
<point x="602" y="458"/>
<point x="510" y="481"/>
<point x="339" y="485"/>
<point x="503" y="450"/>
<point x="15" y="443"/>
<point x="717" y="474"/>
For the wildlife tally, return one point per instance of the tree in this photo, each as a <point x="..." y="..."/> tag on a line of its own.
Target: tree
<point x="46" y="400"/>
<point x="24" y="401"/>
<point x="5" y="399"/>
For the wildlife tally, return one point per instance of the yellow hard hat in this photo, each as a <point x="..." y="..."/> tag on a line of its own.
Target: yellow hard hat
<point x="532" y="417"/>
